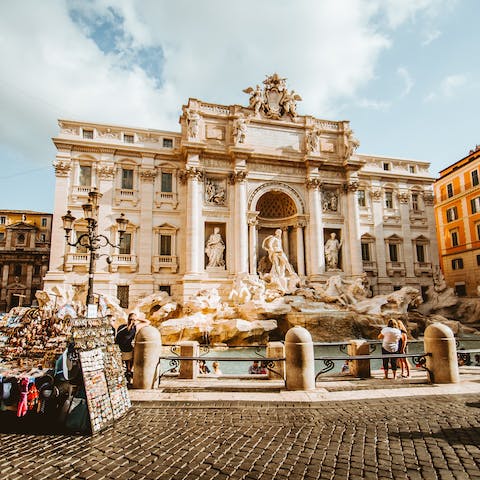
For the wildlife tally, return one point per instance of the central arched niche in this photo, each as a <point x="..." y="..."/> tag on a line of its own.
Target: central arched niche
<point x="276" y="209"/>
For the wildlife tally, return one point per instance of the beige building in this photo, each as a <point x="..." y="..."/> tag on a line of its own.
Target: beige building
<point x="201" y="201"/>
<point x="24" y="255"/>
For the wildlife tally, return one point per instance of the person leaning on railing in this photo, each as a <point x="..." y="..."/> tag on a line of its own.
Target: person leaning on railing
<point x="390" y="336"/>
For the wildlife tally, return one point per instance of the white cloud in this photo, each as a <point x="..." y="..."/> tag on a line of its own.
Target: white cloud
<point x="448" y="87"/>
<point x="407" y="78"/>
<point x="430" y="36"/>
<point x="373" y="104"/>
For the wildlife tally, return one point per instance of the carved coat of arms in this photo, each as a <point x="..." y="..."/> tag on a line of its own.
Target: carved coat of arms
<point x="274" y="100"/>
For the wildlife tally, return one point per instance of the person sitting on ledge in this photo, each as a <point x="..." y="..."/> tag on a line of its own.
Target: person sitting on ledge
<point x="254" y="368"/>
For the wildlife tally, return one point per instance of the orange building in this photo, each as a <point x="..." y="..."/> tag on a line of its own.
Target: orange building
<point x="457" y="215"/>
<point x="25" y="238"/>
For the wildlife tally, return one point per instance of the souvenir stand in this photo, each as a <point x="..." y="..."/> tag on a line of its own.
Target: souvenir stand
<point x="49" y="366"/>
<point x="102" y="368"/>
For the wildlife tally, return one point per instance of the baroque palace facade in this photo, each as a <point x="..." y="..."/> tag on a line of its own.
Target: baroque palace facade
<point x="238" y="174"/>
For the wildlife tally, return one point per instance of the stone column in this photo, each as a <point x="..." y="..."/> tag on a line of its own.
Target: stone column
<point x="55" y="274"/>
<point x="28" y="284"/>
<point x="148" y="345"/>
<point x="300" y="248"/>
<point x="194" y="252"/>
<point x="241" y="226"/>
<point x="276" y="350"/>
<point x="359" y="368"/>
<point x="353" y="214"/>
<point x="409" y="256"/>
<point x="253" y="241"/>
<point x="377" y="213"/>
<point x="285" y="243"/>
<point x="299" y="360"/>
<point x="315" y="257"/>
<point x="144" y="246"/>
<point x="442" y="363"/>
<point x="432" y="235"/>
<point x="4" y="283"/>
<point x="188" y="368"/>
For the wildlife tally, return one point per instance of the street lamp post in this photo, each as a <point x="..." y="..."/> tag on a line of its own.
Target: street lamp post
<point x="91" y="240"/>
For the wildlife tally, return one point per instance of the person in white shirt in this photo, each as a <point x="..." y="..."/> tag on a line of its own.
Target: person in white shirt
<point x="390" y="336"/>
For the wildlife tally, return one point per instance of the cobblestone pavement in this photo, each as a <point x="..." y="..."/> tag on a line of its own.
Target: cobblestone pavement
<point x="412" y="438"/>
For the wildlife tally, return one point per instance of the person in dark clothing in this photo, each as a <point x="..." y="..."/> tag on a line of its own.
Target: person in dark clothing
<point x="124" y="339"/>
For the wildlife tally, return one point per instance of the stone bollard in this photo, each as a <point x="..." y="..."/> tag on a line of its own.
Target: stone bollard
<point x="276" y="350"/>
<point x="299" y="360"/>
<point x="439" y="340"/>
<point x="359" y="368"/>
<point x="188" y="368"/>
<point x="148" y="346"/>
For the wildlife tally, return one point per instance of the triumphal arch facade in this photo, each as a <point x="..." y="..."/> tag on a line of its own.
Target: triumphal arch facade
<point x="201" y="202"/>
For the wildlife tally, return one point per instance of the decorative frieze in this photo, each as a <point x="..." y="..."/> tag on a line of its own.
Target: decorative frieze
<point x="105" y="172"/>
<point x="376" y="194"/>
<point x="214" y="191"/>
<point x="148" y="174"/>
<point x="403" y="197"/>
<point x="428" y="198"/>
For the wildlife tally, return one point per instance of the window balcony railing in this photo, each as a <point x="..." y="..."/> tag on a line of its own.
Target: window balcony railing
<point x="422" y="268"/>
<point x="165" y="261"/>
<point x="125" y="261"/>
<point x="166" y="198"/>
<point x="370" y="266"/>
<point x="76" y="260"/>
<point x="396" y="268"/>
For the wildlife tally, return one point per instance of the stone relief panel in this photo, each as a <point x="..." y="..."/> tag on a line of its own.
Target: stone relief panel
<point x="215" y="132"/>
<point x="215" y="191"/>
<point x="330" y="200"/>
<point x="274" y="138"/>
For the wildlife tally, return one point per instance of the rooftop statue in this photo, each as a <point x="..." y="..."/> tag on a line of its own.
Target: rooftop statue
<point x="274" y="101"/>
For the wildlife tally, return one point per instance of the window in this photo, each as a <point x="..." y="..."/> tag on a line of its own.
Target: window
<point x="164" y="288"/>
<point x="475" y="204"/>
<point x="3" y="220"/>
<point x="85" y="177"/>
<point x="126" y="244"/>
<point x="167" y="182"/>
<point x="80" y="248"/>
<point x="454" y="237"/>
<point x="127" y="179"/>
<point x="2" y="236"/>
<point x="478" y="259"/>
<point x="128" y="138"/>
<point x="388" y="200"/>
<point x="452" y="214"/>
<point x="457" y="264"/>
<point x="393" y="252"/>
<point x="461" y="290"/>
<point x="44" y="222"/>
<point x="475" y="178"/>
<point x="386" y="166"/>
<point x="361" y="198"/>
<point x="43" y="237"/>
<point x="166" y="245"/>
<point x="478" y="230"/>
<point x="415" y="202"/>
<point x="411" y="168"/>
<point x="420" y="253"/>
<point x="21" y="239"/>
<point x="449" y="190"/>
<point x="167" y="143"/>
<point x="17" y="270"/>
<point x="365" y="252"/>
<point x="88" y="134"/>
<point x="122" y="295"/>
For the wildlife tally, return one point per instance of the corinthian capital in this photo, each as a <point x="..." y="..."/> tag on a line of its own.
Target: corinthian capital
<point x="148" y="174"/>
<point x="313" y="183"/>
<point x="193" y="173"/>
<point x="62" y="168"/>
<point x="105" y="172"/>
<point x="238" y="176"/>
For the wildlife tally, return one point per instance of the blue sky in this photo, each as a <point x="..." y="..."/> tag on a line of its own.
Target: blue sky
<point x="404" y="72"/>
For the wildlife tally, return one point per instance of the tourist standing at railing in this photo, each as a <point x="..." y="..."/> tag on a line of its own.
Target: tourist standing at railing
<point x="390" y="336"/>
<point x="402" y="348"/>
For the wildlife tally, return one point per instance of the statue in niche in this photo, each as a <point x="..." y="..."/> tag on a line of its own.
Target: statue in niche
<point x="239" y="129"/>
<point x="313" y="141"/>
<point x="281" y="275"/>
<point x="193" y="123"/>
<point x="332" y="248"/>
<point x="214" y="249"/>
<point x="214" y="193"/>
